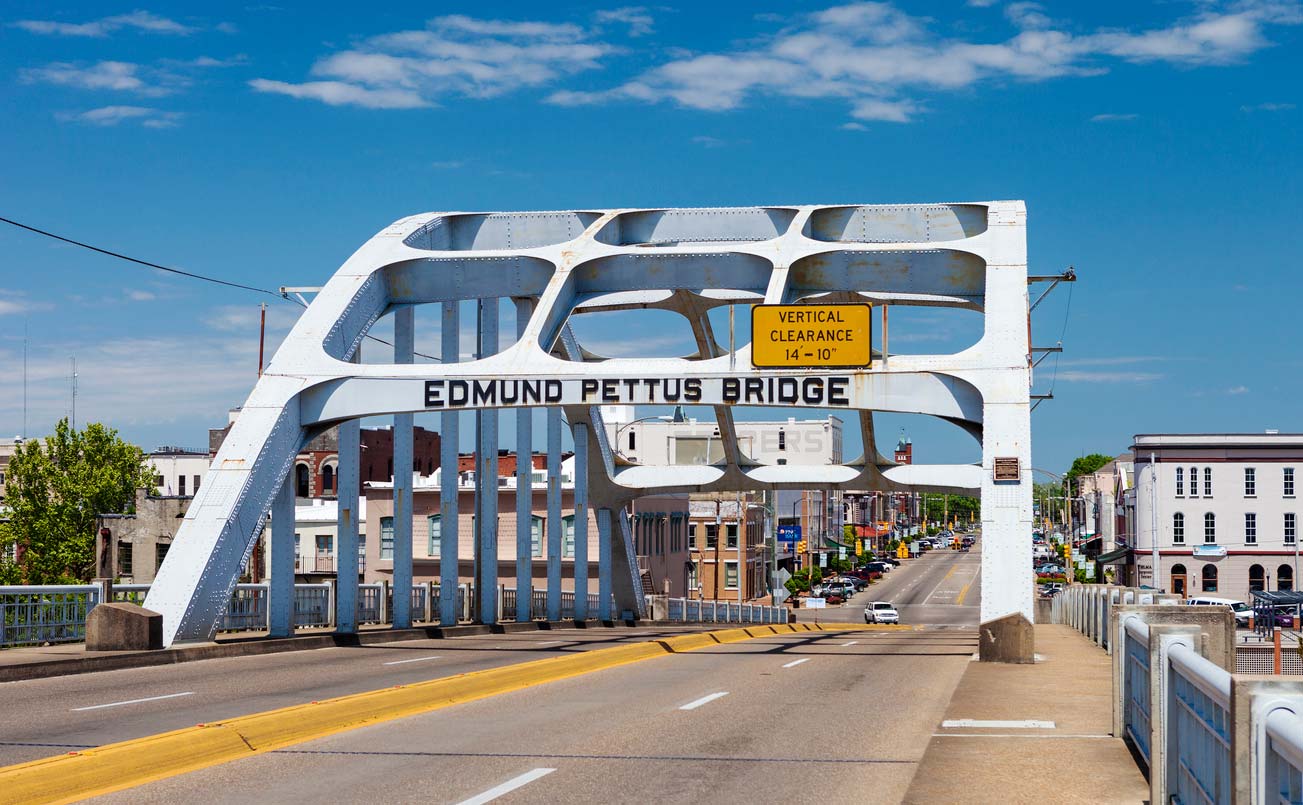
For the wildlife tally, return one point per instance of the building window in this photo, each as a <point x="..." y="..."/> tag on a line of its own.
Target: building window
<point x="1257" y="578"/>
<point x="1210" y="527"/>
<point x="160" y="553"/>
<point x="1285" y="577"/>
<point x="301" y="486"/>
<point x="568" y="536"/>
<point x="197" y="478"/>
<point x="712" y="536"/>
<point x="434" y="531"/>
<point x="1207" y="482"/>
<point x="1250" y="528"/>
<point x="325" y="545"/>
<point x="782" y="439"/>
<point x="730" y="575"/>
<point x="1210" y="578"/>
<point x="1194" y="482"/>
<point x="730" y="535"/>
<point x="387" y="538"/>
<point x="632" y="441"/>
<point x="180" y="485"/>
<point x="124" y="559"/>
<point x="1289" y="528"/>
<point x="1178" y="528"/>
<point x="1180" y="482"/>
<point x="535" y="536"/>
<point x="327" y="479"/>
<point x="1178" y="579"/>
<point x="692" y="576"/>
<point x="296" y="547"/>
<point x="1289" y="482"/>
<point x="1250" y="482"/>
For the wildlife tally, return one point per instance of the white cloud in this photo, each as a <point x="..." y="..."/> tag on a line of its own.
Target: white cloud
<point x="1108" y="117"/>
<point x="113" y="115"/>
<point x="1079" y="376"/>
<point x="137" y="295"/>
<point x="878" y="57"/>
<point x="707" y="141"/>
<point x="640" y="22"/>
<point x="1238" y="390"/>
<point x="1268" y="107"/>
<point x="9" y="306"/>
<point x="339" y="93"/>
<point x="448" y="164"/>
<point x="453" y="56"/>
<point x="138" y="20"/>
<point x="105" y="75"/>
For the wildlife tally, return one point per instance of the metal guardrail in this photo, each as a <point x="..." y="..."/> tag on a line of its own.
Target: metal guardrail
<point x="1187" y="729"/>
<point x="1284" y="767"/>
<point x="33" y="616"/>
<point x="1136" y="686"/>
<point x="1198" y="726"/>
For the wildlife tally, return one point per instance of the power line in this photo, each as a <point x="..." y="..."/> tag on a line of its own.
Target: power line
<point x="138" y="261"/>
<point x="179" y="272"/>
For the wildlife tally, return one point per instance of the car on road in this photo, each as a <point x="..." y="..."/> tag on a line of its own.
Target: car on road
<point x="1242" y="610"/>
<point x="881" y="567"/>
<point x="881" y="612"/>
<point x="891" y="560"/>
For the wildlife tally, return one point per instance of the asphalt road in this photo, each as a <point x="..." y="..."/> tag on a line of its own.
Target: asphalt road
<point x="812" y="712"/>
<point x="939" y="588"/>
<point x="44" y="717"/>
<point x="842" y="716"/>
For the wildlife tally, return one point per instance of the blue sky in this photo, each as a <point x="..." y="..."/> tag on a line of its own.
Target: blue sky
<point x="1156" y="146"/>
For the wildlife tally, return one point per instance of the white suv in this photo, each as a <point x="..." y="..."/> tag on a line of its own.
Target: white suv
<point x="881" y="612"/>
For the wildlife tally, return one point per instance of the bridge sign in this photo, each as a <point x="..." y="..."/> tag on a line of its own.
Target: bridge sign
<point x="808" y="336"/>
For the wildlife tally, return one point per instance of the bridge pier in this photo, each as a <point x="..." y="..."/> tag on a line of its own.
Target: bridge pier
<point x="449" y="510"/>
<point x="404" y="343"/>
<point x="486" y="480"/>
<point x="346" y="539"/>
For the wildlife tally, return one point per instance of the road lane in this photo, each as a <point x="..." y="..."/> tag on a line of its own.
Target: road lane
<point x="31" y="728"/>
<point x="620" y="735"/>
<point x="938" y="588"/>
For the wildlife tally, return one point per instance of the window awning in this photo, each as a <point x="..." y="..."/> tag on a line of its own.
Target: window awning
<point x="1121" y="556"/>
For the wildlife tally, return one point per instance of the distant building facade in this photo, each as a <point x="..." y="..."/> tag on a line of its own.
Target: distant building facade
<point x="316" y="468"/>
<point x="1226" y="508"/>
<point x="131" y="547"/>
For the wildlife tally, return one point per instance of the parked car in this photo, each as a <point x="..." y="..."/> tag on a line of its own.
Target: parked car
<point x="881" y="567"/>
<point x="891" y="560"/>
<point x="881" y="612"/>
<point x="1242" y="610"/>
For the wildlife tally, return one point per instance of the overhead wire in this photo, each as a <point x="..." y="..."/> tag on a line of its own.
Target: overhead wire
<point x="180" y="272"/>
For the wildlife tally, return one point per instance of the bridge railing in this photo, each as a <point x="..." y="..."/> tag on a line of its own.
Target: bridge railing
<point x="1207" y="735"/>
<point x="37" y="615"/>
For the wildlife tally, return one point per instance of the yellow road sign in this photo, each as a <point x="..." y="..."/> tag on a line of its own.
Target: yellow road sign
<point x="810" y="336"/>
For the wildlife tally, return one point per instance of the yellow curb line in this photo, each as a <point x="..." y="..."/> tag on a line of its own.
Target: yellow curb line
<point x="80" y="775"/>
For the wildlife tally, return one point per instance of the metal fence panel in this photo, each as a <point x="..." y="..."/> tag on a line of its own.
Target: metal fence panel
<point x="247" y="610"/>
<point x="1136" y="690"/>
<point x="1199" y="720"/>
<point x="1284" y="768"/>
<point x="32" y="616"/>
<point x="312" y="605"/>
<point x="368" y="603"/>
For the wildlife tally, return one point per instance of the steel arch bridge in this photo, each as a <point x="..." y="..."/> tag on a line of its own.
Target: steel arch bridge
<point x="555" y="265"/>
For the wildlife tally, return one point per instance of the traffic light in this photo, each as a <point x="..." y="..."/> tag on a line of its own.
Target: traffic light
<point x="800" y="546"/>
<point x="1067" y="550"/>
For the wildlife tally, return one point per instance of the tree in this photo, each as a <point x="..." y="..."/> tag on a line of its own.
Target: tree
<point x="55" y="488"/>
<point x="1085" y="465"/>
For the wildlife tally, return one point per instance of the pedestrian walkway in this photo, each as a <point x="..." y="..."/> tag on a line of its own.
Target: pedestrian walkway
<point x="1032" y="733"/>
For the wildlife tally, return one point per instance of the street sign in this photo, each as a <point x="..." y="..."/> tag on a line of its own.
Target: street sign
<point x="816" y="603"/>
<point x="823" y="559"/>
<point x="809" y="336"/>
<point x="841" y="552"/>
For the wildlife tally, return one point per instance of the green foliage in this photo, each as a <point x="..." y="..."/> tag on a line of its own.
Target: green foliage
<point x="848" y="533"/>
<point x="1084" y="465"/>
<point x="800" y="581"/>
<point x="55" y="489"/>
<point x="840" y="565"/>
<point x="955" y="507"/>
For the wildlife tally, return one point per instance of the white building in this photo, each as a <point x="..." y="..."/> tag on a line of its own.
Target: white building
<point x="660" y="441"/>
<point x="177" y="471"/>
<point x="1226" y="510"/>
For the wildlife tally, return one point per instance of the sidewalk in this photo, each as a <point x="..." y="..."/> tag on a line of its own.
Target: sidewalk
<point x="1050" y="742"/>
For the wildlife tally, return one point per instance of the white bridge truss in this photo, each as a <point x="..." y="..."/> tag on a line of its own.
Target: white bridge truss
<point x="555" y="265"/>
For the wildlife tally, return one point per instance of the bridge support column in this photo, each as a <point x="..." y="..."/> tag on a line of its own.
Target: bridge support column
<point x="486" y="480"/>
<point x="449" y="513"/>
<point x="555" y="528"/>
<point x="580" y="436"/>
<point x="280" y="582"/>
<point x="604" y="546"/>
<point x="346" y="533"/>
<point x="1006" y="524"/>
<point x="404" y="341"/>
<point x="524" y="491"/>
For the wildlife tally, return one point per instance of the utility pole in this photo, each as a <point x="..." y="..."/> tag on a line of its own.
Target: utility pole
<point x="262" y="333"/>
